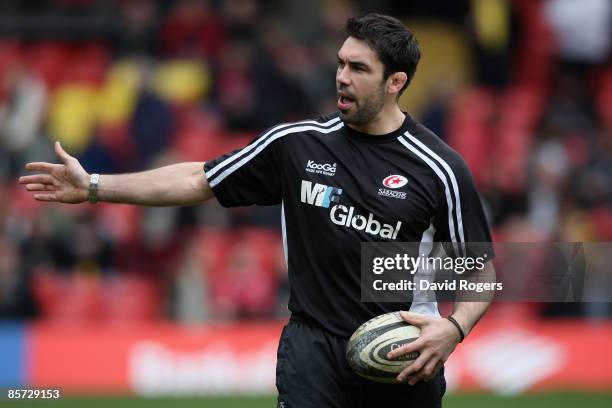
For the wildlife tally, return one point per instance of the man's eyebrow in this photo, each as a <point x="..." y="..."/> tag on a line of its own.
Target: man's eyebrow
<point x="356" y="64"/>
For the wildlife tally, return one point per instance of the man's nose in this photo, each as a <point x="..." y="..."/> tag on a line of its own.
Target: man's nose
<point x="342" y="76"/>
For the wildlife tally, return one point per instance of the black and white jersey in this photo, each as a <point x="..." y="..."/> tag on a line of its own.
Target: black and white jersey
<point x="338" y="188"/>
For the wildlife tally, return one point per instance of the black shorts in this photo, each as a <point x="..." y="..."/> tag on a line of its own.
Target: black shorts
<point x="312" y="372"/>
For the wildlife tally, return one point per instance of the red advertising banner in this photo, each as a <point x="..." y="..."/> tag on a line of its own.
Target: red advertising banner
<point x="514" y="357"/>
<point x="152" y="360"/>
<point x="505" y="357"/>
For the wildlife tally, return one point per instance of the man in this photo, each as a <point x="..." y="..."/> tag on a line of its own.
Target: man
<point x="335" y="179"/>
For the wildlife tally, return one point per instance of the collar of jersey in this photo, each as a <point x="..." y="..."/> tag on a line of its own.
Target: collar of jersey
<point x="386" y="138"/>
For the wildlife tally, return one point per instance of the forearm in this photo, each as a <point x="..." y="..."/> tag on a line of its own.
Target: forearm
<point x="469" y="311"/>
<point x="468" y="314"/>
<point x="177" y="184"/>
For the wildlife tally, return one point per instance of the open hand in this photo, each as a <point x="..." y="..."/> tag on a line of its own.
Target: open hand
<point x="65" y="183"/>
<point x="438" y="339"/>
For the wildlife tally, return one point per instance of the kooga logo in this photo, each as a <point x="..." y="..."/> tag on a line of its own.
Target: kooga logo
<point x="321" y="195"/>
<point x="321" y="168"/>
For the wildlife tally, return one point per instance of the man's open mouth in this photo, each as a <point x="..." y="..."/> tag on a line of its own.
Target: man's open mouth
<point x="345" y="102"/>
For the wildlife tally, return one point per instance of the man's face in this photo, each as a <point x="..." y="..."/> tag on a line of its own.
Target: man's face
<point x="359" y="82"/>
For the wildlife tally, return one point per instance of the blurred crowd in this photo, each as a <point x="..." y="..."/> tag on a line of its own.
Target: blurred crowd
<point x="127" y="85"/>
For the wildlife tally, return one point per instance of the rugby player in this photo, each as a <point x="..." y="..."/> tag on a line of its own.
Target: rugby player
<point x="368" y="172"/>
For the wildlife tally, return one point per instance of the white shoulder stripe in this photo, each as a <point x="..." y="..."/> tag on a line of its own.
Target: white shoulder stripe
<point x="253" y="145"/>
<point x="284" y="230"/>
<point x="440" y="174"/>
<point x="453" y="180"/>
<point x="246" y="158"/>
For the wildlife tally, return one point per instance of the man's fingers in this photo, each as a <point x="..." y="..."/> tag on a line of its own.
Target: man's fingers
<point x="414" y="319"/>
<point x="406" y="348"/>
<point x="413" y="379"/>
<point x="45" y="197"/>
<point x="416" y="366"/>
<point x="42" y="166"/>
<point x="426" y="372"/>
<point x="36" y="187"/>
<point x="38" y="179"/>
<point x="62" y="153"/>
<point x="435" y="371"/>
<point x="41" y="187"/>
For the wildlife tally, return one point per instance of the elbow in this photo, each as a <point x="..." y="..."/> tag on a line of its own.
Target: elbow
<point x="200" y="191"/>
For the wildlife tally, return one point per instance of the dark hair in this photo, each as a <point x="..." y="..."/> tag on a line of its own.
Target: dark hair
<point x="396" y="47"/>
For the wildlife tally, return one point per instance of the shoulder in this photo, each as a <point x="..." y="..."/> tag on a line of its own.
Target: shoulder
<point x="323" y="124"/>
<point x="330" y="117"/>
<point x="285" y="135"/>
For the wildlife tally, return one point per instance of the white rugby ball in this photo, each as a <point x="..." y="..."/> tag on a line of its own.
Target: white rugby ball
<point x="367" y="348"/>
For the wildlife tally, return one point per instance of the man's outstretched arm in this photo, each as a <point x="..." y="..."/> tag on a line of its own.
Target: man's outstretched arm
<point x="68" y="182"/>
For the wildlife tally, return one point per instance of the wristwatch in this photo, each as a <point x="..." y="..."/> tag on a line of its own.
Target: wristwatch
<point x="93" y="188"/>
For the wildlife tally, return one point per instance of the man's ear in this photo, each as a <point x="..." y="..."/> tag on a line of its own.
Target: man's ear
<point x="396" y="81"/>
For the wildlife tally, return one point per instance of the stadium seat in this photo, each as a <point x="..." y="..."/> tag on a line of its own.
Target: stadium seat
<point x="513" y="150"/>
<point x="50" y="60"/>
<point x="521" y="107"/>
<point x="193" y="144"/>
<point x="468" y="129"/>
<point x="10" y="55"/>
<point x="604" y="97"/>
<point x="213" y="245"/>
<point x="129" y="299"/>
<point x="182" y="82"/>
<point x="72" y="116"/>
<point x="68" y="299"/>
<point x="88" y="64"/>
<point x="243" y="276"/>
<point x="534" y="62"/>
<point x="118" y="94"/>
<point x="121" y="222"/>
<point x="602" y="223"/>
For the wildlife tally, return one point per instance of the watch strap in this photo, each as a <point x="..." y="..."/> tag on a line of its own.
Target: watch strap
<point x="93" y="188"/>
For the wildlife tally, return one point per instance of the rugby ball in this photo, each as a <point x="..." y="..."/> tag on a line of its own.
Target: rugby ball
<point x="367" y="349"/>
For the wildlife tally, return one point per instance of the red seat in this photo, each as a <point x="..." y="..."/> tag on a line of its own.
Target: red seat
<point x="242" y="268"/>
<point x="604" y="97"/>
<point x="128" y="299"/>
<point x="74" y="299"/>
<point x="212" y="247"/>
<point x="602" y="223"/>
<point x="534" y="61"/>
<point x="199" y="135"/>
<point x="122" y="222"/>
<point x="88" y="63"/>
<point x="521" y="107"/>
<point x="10" y="55"/>
<point x="513" y="149"/>
<point x="469" y="132"/>
<point x="50" y="60"/>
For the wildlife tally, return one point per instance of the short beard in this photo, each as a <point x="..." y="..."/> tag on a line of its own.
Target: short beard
<point x="367" y="112"/>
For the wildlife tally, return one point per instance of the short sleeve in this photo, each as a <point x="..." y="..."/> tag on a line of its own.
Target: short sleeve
<point x="460" y="219"/>
<point x="247" y="176"/>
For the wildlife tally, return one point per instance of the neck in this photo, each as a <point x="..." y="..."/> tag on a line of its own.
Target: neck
<point x="387" y="121"/>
